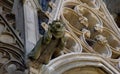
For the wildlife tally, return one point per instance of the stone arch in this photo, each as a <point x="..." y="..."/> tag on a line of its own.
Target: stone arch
<point x="73" y="61"/>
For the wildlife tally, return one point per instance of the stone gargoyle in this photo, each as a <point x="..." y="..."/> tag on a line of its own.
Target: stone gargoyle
<point x="51" y="43"/>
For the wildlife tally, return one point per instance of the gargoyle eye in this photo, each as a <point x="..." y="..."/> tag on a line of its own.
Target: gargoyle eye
<point x="58" y="26"/>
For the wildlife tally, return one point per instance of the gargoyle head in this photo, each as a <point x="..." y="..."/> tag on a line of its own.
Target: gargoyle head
<point x="57" y="29"/>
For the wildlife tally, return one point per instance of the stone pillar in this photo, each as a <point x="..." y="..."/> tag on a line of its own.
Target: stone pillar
<point x="31" y="25"/>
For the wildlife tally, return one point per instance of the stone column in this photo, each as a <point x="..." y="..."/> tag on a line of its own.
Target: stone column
<point x="31" y="25"/>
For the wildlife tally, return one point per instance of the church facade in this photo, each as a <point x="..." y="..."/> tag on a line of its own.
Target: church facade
<point x="58" y="37"/>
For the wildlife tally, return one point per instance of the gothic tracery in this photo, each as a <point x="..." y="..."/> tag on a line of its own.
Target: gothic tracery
<point x="90" y="39"/>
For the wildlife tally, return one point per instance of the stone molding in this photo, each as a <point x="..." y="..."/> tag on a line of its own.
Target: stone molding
<point x="72" y="60"/>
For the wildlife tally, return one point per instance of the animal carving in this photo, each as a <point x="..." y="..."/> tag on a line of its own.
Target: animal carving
<point x="52" y="42"/>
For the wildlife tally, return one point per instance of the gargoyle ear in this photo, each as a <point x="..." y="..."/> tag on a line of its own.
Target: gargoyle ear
<point x="62" y="22"/>
<point x="53" y="22"/>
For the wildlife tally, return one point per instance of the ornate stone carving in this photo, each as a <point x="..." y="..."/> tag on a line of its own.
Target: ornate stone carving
<point x="12" y="54"/>
<point x="88" y="39"/>
<point x="96" y="33"/>
<point x="57" y="41"/>
<point x="12" y="59"/>
<point x="67" y="63"/>
<point x="52" y="42"/>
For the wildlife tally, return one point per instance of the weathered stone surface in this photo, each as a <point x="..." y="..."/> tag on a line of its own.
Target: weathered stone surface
<point x="92" y="43"/>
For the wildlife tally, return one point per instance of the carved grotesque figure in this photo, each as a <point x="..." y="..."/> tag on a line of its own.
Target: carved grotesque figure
<point x="52" y="42"/>
<point x="84" y="21"/>
<point x="101" y="39"/>
<point x="98" y="28"/>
